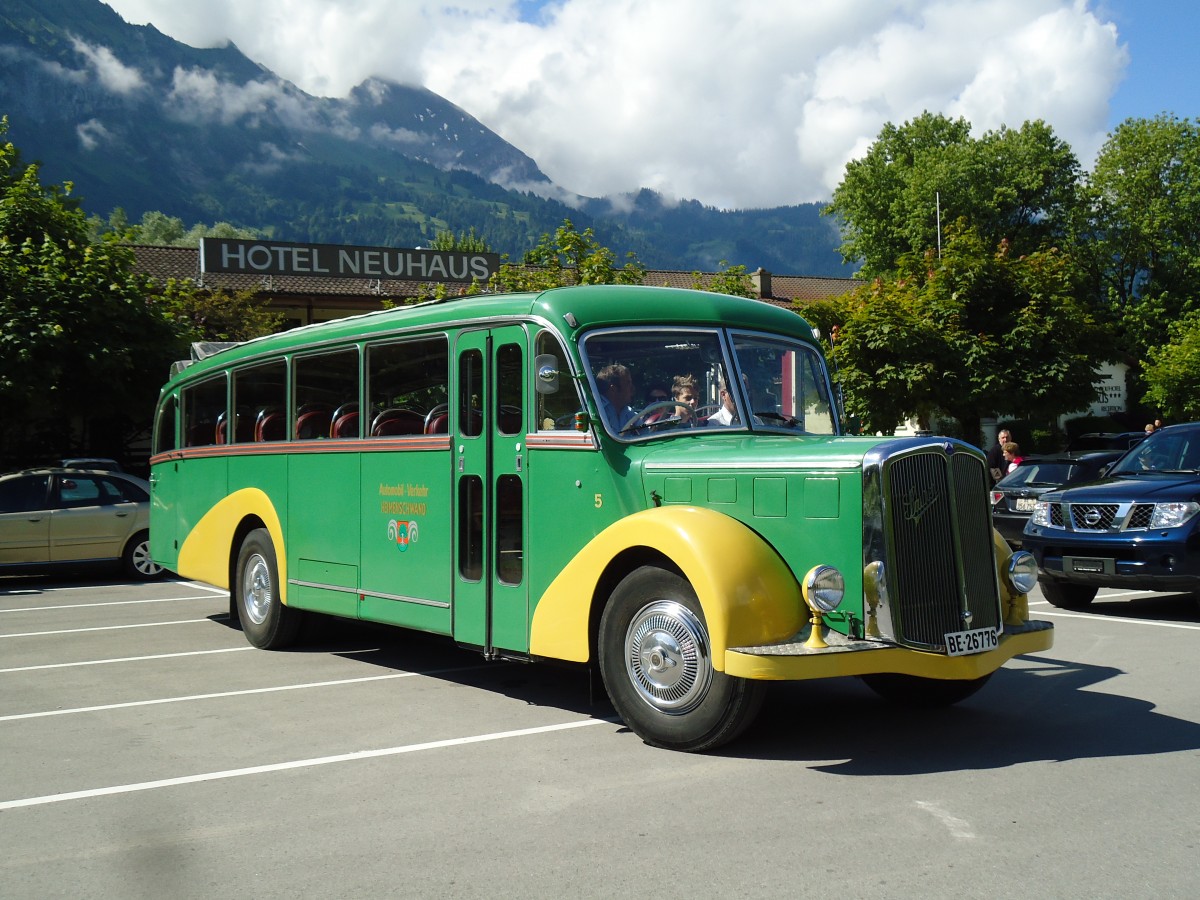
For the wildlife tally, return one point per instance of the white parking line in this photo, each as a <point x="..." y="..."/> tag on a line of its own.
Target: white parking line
<point x="107" y="628"/>
<point x="104" y="603"/>
<point x="185" y="699"/>
<point x="296" y="764"/>
<point x="121" y="659"/>
<point x="1117" y="619"/>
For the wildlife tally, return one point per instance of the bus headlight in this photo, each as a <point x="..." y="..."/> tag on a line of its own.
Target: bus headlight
<point x="824" y="588"/>
<point x="1022" y="571"/>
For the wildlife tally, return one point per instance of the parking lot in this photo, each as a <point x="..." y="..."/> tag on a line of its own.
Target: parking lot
<point x="147" y="750"/>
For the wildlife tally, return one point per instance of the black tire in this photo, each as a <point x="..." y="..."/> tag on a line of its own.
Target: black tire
<point x="266" y="622"/>
<point x="1065" y="595"/>
<point x="655" y="658"/>
<point x="136" y="561"/>
<point x="922" y="693"/>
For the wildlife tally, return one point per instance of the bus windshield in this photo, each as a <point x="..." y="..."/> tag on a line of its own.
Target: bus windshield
<point x="648" y="381"/>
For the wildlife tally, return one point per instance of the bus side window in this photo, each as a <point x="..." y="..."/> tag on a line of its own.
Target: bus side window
<point x="406" y="387"/>
<point x="510" y="390"/>
<point x="164" y="432"/>
<point x="203" y="407"/>
<point x="324" y="383"/>
<point x="259" y="396"/>
<point x="556" y="409"/>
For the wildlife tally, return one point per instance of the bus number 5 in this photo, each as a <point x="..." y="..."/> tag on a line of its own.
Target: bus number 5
<point x="599" y="500"/>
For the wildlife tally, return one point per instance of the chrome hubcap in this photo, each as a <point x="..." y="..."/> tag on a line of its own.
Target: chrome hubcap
<point x="667" y="657"/>
<point x="142" y="561"/>
<point x="256" y="589"/>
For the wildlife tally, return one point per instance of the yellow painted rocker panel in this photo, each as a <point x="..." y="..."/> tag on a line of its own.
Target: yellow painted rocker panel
<point x="206" y="551"/>
<point x="894" y="659"/>
<point x="748" y="595"/>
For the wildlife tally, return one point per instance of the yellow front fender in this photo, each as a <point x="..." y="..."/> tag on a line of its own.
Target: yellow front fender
<point x="748" y="594"/>
<point x="205" y="553"/>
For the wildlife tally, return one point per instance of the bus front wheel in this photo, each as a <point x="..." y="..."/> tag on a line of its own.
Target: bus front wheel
<point x="655" y="658"/>
<point x="266" y="622"/>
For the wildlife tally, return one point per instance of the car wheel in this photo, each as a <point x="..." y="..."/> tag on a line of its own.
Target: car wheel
<point x="655" y="658"/>
<point x="923" y="693"/>
<point x="266" y="622"/>
<point x="136" y="559"/>
<point x="1065" y="595"/>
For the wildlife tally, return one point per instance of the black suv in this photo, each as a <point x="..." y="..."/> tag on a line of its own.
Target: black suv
<point x="1136" y="528"/>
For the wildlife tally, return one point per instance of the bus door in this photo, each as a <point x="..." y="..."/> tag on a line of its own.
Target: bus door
<point x="491" y="609"/>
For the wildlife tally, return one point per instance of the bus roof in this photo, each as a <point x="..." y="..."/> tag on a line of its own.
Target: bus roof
<point x="571" y="310"/>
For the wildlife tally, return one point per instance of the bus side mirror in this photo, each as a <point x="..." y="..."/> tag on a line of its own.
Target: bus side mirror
<point x="545" y="369"/>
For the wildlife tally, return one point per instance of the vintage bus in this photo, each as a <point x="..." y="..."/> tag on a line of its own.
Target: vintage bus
<point x="505" y="471"/>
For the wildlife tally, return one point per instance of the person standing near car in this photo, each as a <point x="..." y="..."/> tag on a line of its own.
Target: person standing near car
<point x="1012" y="456"/>
<point x="997" y="465"/>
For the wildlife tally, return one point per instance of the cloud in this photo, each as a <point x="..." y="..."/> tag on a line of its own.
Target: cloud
<point x="199" y="94"/>
<point x="92" y="133"/>
<point x="757" y="103"/>
<point x="111" y="72"/>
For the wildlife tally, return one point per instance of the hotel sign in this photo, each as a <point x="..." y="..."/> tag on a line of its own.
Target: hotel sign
<point x="251" y="257"/>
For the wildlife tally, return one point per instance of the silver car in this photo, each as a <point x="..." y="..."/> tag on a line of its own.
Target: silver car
<point x="54" y="519"/>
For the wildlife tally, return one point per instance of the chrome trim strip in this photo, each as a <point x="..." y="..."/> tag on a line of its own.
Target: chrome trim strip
<point x="438" y="604"/>
<point x="362" y="595"/>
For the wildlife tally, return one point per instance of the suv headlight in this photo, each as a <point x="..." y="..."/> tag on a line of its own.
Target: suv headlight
<point x="1041" y="513"/>
<point x="1172" y="515"/>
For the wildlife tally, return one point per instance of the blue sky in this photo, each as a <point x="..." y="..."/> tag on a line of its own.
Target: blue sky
<point x="756" y="103"/>
<point x="1163" y="37"/>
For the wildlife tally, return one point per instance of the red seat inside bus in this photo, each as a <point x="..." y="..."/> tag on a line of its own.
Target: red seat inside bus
<point x="397" y="421"/>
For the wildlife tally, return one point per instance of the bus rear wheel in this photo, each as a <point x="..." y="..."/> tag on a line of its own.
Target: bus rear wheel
<point x="266" y="622"/>
<point x="655" y="658"/>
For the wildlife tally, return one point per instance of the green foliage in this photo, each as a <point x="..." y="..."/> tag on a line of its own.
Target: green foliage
<point x="1172" y="371"/>
<point x="160" y="230"/>
<point x="568" y="257"/>
<point x="727" y="280"/>
<point x="1142" y="225"/>
<point x="1017" y="186"/>
<point x="464" y="242"/>
<point x="78" y="339"/>
<point x="204" y="315"/>
<point x="973" y="333"/>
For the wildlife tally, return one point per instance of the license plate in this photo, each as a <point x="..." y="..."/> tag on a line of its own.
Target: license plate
<point x="977" y="640"/>
<point x="1084" y="564"/>
<point x="1025" y="504"/>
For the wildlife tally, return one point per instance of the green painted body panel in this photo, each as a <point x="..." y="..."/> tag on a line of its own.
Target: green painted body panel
<point x="409" y="489"/>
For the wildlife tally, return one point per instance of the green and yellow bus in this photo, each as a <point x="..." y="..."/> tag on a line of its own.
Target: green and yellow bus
<point x="646" y="480"/>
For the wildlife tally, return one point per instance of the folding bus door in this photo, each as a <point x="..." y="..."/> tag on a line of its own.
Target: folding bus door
<point x="491" y="608"/>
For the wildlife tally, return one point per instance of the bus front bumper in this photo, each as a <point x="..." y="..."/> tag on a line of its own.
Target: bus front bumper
<point x="793" y="661"/>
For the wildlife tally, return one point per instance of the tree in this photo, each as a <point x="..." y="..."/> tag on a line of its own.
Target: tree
<point x="82" y="351"/>
<point x="1172" y="372"/>
<point x="568" y="257"/>
<point x="203" y="315"/>
<point x="1143" y="225"/>
<point x="727" y="280"/>
<point x="1017" y="186"/>
<point x="976" y="332"/>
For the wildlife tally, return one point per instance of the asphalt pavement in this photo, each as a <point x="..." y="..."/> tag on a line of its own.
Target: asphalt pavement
<point x="148" y="751"/>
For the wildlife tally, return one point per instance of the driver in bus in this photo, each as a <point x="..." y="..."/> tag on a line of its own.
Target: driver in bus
<point x="616" y="392"/>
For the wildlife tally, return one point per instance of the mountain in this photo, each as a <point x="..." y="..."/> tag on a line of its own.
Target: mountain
<point x="139" y="121"/>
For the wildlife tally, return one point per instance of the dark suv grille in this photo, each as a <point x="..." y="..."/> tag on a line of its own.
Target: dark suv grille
<point x="1093" y="516"/>
<point x="938" y="536"/>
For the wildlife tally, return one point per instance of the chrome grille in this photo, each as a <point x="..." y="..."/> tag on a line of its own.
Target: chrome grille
<point x="935" y="537"/>
<point x="1140" y="517"/>
<point x="1056" y="516"/>
<point x="1093" y="516"/>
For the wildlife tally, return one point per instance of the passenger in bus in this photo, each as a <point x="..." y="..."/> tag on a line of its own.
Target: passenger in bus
<point x="727" y="414"/>
<point x="616" y="392"/>
<point x="683" y="392"/>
